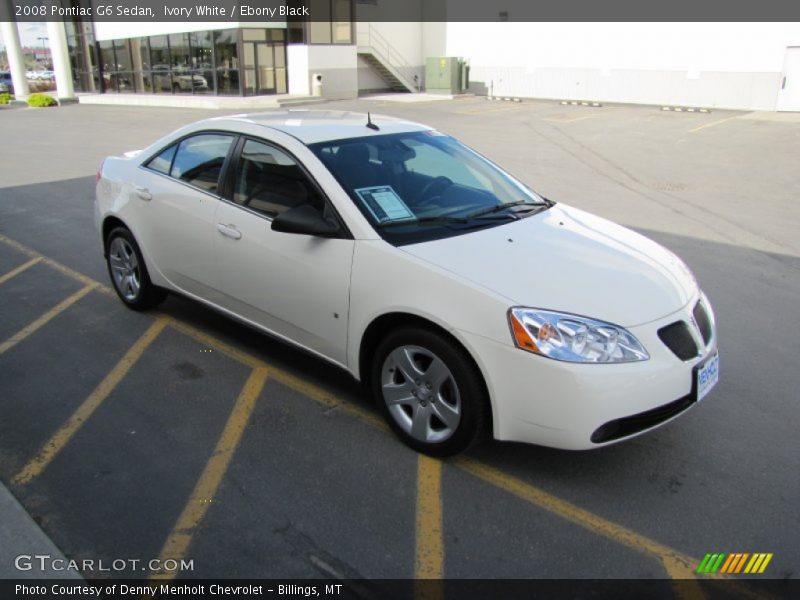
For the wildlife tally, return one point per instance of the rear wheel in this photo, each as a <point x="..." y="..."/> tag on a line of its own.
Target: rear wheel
<point x="430" y="392"/>
<point x="128" y="272"/>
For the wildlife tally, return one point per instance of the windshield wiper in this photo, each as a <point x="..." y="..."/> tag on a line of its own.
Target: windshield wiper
<point x="498" y="207"/>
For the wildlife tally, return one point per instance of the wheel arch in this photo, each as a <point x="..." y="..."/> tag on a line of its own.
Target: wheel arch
<point x="380" y="326"/>
<point x="111" y="222"/>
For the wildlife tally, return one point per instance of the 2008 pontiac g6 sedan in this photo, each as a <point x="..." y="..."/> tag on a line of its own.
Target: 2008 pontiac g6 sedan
<point x="466" y="302"/>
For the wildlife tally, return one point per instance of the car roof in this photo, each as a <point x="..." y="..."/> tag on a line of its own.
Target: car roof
<point x="311" y="126"/>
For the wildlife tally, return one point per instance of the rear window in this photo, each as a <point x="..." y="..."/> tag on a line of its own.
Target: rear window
<point x="163" y="161"/>
<point x="196" y="160"/>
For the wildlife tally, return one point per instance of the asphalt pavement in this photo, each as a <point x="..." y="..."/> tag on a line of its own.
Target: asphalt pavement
<point x="179" y="433"/>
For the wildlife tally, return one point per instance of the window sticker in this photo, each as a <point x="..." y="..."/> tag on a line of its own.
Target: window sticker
<point x="384" y="203"/>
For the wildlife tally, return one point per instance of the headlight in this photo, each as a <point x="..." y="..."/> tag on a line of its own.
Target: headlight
<point x="571" y="338"/>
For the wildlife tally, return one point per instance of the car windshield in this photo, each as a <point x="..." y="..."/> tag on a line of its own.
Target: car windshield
<point x="424" y="185"/>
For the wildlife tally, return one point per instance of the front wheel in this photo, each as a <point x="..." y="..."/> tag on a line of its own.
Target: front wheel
<point x="430" y="392"/>
<point x="128" y="272"/>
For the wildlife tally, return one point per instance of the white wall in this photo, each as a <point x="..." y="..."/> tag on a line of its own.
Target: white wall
<point x="368" y="79"/>
<point x="405" y="38"/>
<point x="297" y="69"/>
<point x="727" y="65"/>
<point x="338" y="66"/>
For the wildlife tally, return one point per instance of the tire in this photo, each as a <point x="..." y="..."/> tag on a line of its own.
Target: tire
<point x="430" y="392"/>
<point x="128" y="272"/>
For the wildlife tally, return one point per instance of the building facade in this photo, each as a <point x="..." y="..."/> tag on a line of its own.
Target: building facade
<point x="751" y="66"/>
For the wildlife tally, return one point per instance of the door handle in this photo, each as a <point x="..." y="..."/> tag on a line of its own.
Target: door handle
<point x="229" y="231"/>
<point x="783" y="84"/>
<point x="144" y="193"/>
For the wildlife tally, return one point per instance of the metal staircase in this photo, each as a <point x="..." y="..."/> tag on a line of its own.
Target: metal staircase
<point x="385" y="60"/>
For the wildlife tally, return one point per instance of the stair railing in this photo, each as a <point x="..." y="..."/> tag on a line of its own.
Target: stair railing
<point x="370" y="37"/>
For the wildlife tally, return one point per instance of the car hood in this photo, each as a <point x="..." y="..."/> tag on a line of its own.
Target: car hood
<point x="568" y="260"/>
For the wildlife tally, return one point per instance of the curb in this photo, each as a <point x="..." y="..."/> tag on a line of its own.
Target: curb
<point x="685" y="109"/>
<point x="21" y="535"/>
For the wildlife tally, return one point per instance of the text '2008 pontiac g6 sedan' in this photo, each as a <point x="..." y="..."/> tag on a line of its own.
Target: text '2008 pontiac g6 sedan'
<point x="468" y="304"/>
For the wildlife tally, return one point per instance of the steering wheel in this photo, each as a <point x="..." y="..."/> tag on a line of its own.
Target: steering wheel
<point x="434" y="188"/>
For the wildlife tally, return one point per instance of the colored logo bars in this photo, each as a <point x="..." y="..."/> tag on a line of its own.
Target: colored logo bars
<point x="735" y="563"/>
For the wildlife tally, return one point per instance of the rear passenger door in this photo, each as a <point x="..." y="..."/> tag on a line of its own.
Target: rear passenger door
<point x="297" y="286"/>
<point x="181" y="195"/>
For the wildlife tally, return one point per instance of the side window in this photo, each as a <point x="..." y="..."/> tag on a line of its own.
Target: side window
<point x="163" y="161"/>
<point x="199" y="160"/>
<point x="270" y="181"/>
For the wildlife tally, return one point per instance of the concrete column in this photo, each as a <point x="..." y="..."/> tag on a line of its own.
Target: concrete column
<point x="60" y="54"/>
<point x="16" y="62"/>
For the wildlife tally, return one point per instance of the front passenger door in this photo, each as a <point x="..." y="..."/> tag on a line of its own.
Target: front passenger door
<point x="297" y="286"/>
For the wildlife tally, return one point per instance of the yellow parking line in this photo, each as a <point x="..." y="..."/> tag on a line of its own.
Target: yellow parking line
<point x="45" y="318"/>
<point x="20" y="269"/>
<point x="206" y="488"/>
<point x="713" y="123"/>
<point x="55" y="444"/>
<point x="676" y="564"/>
<point x="299" y="385"/>
<point x="103" y="289"/>
<point x="429" y="562"/>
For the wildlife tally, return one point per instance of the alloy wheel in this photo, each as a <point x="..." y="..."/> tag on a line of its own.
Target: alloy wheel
<point x="421" y="394"/>
<point x="125" y="268"/>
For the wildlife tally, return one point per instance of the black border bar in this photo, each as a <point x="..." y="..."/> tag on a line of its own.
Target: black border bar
<point x="403" y="10"/>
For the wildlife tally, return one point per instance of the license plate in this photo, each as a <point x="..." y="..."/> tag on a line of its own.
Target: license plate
<point x="707" y="376"/>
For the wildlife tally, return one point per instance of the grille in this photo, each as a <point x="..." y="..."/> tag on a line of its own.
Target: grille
<point x="620" y="428"/>
<point x="703" y="322"/>
<point x="678" y="338"/>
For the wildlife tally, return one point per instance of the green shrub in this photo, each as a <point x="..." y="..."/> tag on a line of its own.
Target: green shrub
<point x="40" y="100"/>
<point x="5" y="98"/>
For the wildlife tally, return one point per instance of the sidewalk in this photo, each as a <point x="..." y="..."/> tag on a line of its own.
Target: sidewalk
<point x="20" y="535"/>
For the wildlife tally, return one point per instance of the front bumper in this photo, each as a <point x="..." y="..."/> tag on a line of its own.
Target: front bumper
<point x="581" y="406"/>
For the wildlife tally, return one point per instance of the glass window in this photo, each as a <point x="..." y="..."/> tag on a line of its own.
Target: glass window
<point x="320" y="28"/>
<point x="202" y="62"/>
<point x="181" y="60"/>
<point x="270" y="182"/>
<point x="424" y="185"/>
<point x="108" y="63"/>
<point x="254" y="35"/>
<point x="296" y="28"/>
<point x="163" y="161"/>
<point x="159" y="57"/>
<point x="140" y="51"/>
<point x="199" y="160"/>
<point x="227" y="53"/>
<point x="123" y="55"/>
<point x="227" y="67"/>
<point x="124" y="75"/>
<point x="341" y="22"/>
<point x="332" y="22"/>
<point x="159" y="51"/>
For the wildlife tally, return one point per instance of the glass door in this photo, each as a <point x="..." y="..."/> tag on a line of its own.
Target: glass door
<point x="265" y="66"/>
<point x="264" y="62"/>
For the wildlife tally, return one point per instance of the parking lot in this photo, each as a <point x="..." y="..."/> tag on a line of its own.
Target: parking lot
<point x="181" y="434"/>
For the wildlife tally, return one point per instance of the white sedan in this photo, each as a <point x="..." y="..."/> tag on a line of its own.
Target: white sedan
<point x="466" y="302"/>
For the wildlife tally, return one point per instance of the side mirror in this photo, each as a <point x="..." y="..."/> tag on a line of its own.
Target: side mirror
<point x="304" y="219"/>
